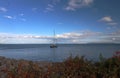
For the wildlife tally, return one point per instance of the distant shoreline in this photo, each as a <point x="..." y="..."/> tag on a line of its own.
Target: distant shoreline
<point x="57" y="43"/>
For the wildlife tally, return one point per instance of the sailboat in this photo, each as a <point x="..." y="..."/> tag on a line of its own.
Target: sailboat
<point x="53" y="46"/>
<point x="54" y="42"/>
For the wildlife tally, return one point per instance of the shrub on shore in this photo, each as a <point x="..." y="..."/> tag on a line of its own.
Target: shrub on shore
<point x="77" y="67"/>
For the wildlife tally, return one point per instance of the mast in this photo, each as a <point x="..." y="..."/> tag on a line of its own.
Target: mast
<point x="54" y="41"/>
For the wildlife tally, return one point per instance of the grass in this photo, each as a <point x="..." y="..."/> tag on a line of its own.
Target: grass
<point x="77" y="67"/>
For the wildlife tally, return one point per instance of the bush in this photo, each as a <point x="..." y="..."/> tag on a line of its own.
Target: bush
<point x="77" y="67"/>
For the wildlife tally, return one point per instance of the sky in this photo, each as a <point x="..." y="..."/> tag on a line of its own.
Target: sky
<point x="74" y="21"/>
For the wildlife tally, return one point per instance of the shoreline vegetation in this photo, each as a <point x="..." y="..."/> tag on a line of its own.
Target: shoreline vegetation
<point x="77" y="67"/>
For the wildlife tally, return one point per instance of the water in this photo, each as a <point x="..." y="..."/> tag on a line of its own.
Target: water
<point x="43" y="52"/>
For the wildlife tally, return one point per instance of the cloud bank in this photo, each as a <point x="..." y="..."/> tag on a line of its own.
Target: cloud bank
<point x="71" y="37"/>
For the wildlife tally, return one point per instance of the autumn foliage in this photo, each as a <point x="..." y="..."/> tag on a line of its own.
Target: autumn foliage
<point x="77" y="67"/>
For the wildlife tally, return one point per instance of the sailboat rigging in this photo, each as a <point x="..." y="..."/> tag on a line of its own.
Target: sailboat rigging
<point x="54" y="42"/>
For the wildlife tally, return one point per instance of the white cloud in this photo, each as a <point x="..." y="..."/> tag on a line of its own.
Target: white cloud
<point x="15" y="18"/>
<point x="49" y="7"/>
<point x="76" y="4"/>
<point x="3" y="9"/>
<point x="9" y="17"/>
<point x="106" y="19"/>
<point x="69" y="35"/>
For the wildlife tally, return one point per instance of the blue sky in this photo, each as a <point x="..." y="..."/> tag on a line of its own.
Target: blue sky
<point x="75" y="21"/>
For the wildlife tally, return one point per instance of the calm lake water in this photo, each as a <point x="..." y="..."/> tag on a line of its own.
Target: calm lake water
<point x="43" y="52"/>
